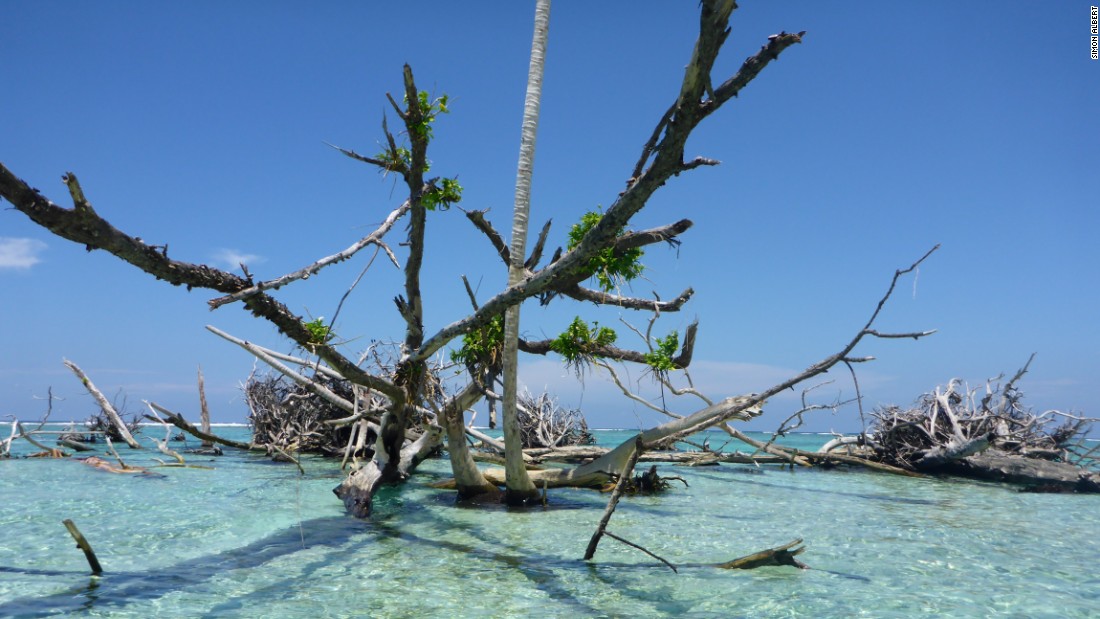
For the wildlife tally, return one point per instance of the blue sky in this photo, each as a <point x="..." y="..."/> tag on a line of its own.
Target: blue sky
<point x="893" y="127"/>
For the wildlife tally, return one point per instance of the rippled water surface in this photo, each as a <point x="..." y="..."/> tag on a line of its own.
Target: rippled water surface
<point x="250" y="538"/>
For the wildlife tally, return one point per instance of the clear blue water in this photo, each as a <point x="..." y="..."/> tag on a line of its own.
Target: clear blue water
<point x="255" y="539"/>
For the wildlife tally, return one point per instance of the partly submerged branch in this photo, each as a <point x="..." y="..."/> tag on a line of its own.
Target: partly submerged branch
<point x="177" y="420"/>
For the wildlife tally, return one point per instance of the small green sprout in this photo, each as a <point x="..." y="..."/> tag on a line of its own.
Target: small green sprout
<point x="319" y="333"/>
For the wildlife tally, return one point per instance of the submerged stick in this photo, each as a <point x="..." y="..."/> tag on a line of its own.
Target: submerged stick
<point x="83" y="544"/>
<point x="780" y="555"/>
<point x="633" y="545"/>
<point x="613" y="502"/>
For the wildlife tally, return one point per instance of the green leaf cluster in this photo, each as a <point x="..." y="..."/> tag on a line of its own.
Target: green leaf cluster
<point x="610" y="268"/>
<point x="429" y="109"/>
<point x="443" y="195"/>
<point x="660" y="359"/>
<point x="319" y="333"/>
<point x="579" y="340"/>
<point x="398" y="160"/>
<point x="481" y="346"/>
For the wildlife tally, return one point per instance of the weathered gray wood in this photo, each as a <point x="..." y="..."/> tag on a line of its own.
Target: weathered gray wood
<point x="358" y="489"/>
<point x="998" y="466"/>
<point x="108" y="410"/>
<point x="83" y="544"/>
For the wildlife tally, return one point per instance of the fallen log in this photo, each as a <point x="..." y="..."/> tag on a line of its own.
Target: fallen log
<point x="99" y="463"/>
<point x="1001" y="467"/>
<point x="73" y="444"/>
<point x="780" y="555"/>
<point x="588" y="452"/>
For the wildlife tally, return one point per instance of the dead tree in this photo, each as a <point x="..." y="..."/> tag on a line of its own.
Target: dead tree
<point x="407" y="391"/>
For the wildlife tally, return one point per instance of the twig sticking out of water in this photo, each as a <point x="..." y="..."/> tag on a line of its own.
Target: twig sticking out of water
<point x="83" y="544"/>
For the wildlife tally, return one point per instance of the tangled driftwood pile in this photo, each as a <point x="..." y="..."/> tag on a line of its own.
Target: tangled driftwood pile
<point x="545" y="424"/>
<point x="291" y="418"/>
<point x="988" y="436"/>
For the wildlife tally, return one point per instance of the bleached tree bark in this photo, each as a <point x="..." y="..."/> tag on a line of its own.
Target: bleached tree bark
<point x="520" y="488"/>
<point x="204" y="411"/>
<point x="108" y="410"/>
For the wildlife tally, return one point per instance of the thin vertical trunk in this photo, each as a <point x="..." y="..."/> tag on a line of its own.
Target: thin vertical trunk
<point x="519" y="486"/>
<point x="204" y="411"/>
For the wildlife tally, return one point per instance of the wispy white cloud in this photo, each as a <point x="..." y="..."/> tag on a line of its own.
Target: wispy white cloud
<point x="233" y="258"/>
<point x="19" y="253"/>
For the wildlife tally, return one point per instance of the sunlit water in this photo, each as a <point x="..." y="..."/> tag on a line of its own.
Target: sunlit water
<point x="255" y="539"/>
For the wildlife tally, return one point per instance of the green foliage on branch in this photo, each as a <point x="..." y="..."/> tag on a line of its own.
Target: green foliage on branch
<point x="429" y="109"/>
<point x="579" y="341"/>
<point x="661" y="357"/>
<point x="319" y="332"/>
<point x="611" y="268"/>
<point x="398" y="160"/>
<point x="481" y="346"/>
<point x="442" y="196"/>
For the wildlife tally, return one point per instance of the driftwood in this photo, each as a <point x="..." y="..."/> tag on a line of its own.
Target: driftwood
<point x="204" y="412"/>
<point x="49" y="453"/>
<point x="545" y="424"/>
<point x="583" y="453"/>
<point x="99" y="463"/>
<point x="1040" y="474"/>
<point x="780" y="555"/>
<point x="613" y="502"/>
<point x="162" y="446"/>
<point x="82" y="543"/>
<point x="292" y="417"/>
<point x="73" y="444"/>
<point x="357" y="490"/>
<point x="105" y="406"/>
<point x="952" y="431"/>
<point x="181" y="423"/>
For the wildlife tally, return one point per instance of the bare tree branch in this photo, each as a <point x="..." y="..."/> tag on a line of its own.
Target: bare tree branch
<point x="374" y="238"/>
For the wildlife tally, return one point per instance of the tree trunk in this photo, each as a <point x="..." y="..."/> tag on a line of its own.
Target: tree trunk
<point x="386" y="468"/>
<point x="108" y="410"/>
<point x="520" y="489"/>
<point x="468" y="478"/>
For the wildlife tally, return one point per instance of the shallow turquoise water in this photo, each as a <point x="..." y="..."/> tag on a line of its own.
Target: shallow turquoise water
<point x="256" y="539"/>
